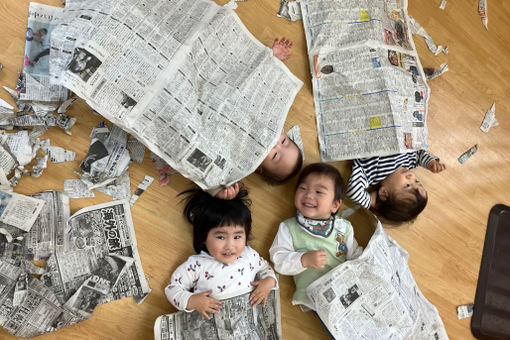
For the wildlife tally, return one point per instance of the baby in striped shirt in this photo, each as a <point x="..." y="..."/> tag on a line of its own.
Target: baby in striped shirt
<point x="398" y="195"/>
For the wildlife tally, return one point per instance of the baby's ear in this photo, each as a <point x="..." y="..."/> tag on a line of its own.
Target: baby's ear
<point x="382" y="194"/>
<point x="259" y="169"/>
<point x="336" y="205"/>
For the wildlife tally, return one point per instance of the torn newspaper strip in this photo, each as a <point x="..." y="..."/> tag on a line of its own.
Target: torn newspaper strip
<point x="147" y="181"/>
<point x="370" y="92"/>
<point x="465" y="311"/>
<point x="417" y="29"/>
<point x="171" y="83"/>
<point x="36" y="73"/>
<point x="443" y="4"/>
<point x="375" y="296"/>
<point x="237" y="319"/>
<point x="482" y="11"/>
<point x="466" y="155"/>
<point x="489" y="121"/>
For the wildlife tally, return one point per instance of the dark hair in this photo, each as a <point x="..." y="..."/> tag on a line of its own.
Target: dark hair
<point x="275" y="179"/>
<point x="325" y="170"/>
<point x="400" y="209"/>
<point x="206" y="212"/>
<point x="44" y="30"/>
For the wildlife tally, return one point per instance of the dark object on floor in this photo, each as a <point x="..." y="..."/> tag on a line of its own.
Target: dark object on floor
<point x="491" y="314"/>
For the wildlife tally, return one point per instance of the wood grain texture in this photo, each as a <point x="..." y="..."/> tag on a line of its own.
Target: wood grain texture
<point x="444" y="243"/>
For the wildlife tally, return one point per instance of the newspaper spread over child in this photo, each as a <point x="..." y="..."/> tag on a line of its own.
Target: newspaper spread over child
<point x="237" y="319"/>
<point x="173" y="78"/>
<point x="370" y="92"/>
<point x="375" y="296"/>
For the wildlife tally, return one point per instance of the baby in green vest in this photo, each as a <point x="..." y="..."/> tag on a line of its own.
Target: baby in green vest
<point x="314" y="241"/>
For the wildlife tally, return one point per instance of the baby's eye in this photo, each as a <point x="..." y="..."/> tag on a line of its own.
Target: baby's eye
<point x="302" y="188"/>
<point x="220" y="237"/>
<point x="318" y="192"/>
<point x="283" y="140"/>
<point x="407" y="185"/>
<point x="237" y="237"/>
<point x="274" y="155"/>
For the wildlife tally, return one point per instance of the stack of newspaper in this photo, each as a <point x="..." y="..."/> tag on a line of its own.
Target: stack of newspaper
<point x="370" y="92"/>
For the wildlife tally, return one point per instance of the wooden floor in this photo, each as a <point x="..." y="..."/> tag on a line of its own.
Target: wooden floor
<point x="444" y="243"/>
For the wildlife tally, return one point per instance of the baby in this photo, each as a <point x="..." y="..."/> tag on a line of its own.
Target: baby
<point x="224" y="266"/>
<point x="398" y="195"/>
<point x="316" y="240"/>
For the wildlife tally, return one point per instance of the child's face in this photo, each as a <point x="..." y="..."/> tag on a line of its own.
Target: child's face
<point x="315" y="197"/>
<point x="226" y="243"/>
<point x="402" y="182"/>
<point x="282" y="158"/>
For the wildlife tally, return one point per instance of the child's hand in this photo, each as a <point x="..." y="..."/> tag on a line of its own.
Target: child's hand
<point x="202" y="303"/>
<point x="229" y="192"/>
<point x="435" y="166"/>
<point x="314" y="259"/>
<point x="260" y="294"/>
<point x="281" y="48"/>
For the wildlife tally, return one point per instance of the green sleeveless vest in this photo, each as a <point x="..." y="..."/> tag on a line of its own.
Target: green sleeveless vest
<point x="303" y="242"/>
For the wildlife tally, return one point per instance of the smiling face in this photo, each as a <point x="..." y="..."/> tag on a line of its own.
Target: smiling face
<point x="282" y="158"/>
<point x="226" y="243"/>
<point x="402" y="183"/>
<point x="315" y="197"/>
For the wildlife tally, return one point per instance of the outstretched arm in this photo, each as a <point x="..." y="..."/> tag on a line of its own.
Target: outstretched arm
<point x="436" y="166"/>
<point x="281" y="48"/>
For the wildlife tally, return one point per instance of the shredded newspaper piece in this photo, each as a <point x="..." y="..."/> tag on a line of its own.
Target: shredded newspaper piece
<point x="432" y="73"/>
<point x="465" y="311"/>
<point x="119" y="189"/>
<point x="443" y="5"/>
<point x="465" y="156"/>
<point x="147" y="181"/>
<point x="58" y="154"/>
<point x="417" y="29"/>
<point x="489" y="121"/>
<point x="482" y="11"/>
<point x="290" y="10"/>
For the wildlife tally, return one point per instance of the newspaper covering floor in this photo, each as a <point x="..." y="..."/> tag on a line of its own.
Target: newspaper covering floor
<point x="370" y="92"/>
<point x="375" y="297"/>
<point x="237" y="319"/>
<point x="91" y="258"/>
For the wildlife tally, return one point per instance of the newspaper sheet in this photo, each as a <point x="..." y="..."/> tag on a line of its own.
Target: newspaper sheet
<point x="18" y="210"/>
<point x="375" y="297"/>
<point x="237" y="319"/>
<point x="186" y="79"/>
<point x="370" y="92"/>
<point x="36" y="73"/>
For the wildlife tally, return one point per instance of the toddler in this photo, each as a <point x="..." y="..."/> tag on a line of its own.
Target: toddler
<point x="224" y="265"/>
<point x="398" y="195"/>
<point x="316" y="240"/>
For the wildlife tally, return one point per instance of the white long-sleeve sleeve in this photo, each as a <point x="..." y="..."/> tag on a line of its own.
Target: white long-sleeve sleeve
<point x="286" y="260"/>
<point x="178" y="290"/>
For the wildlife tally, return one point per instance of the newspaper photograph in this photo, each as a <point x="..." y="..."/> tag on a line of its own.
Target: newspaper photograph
<point x="237" y="319"/>
<point x="36" y="72"/>
<point x="171" y="80"/>
<point x="370" y="92"/>
<point x="375" y="296"/>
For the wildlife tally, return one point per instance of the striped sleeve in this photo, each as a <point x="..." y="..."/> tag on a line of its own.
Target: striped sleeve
<point x="424" y="158"/>
<point x="358" y="183"/>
